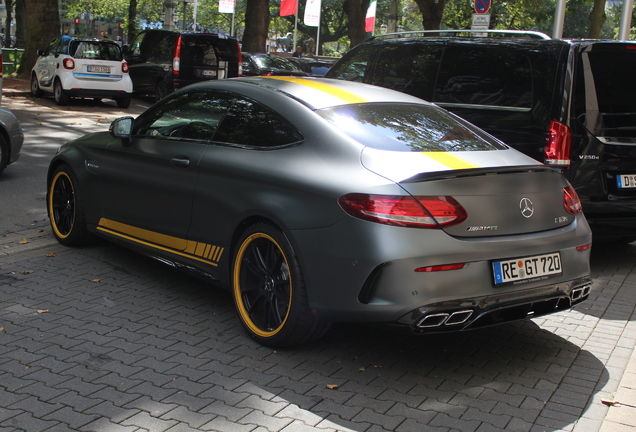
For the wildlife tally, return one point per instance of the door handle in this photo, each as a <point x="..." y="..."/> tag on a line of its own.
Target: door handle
<point x="180" y="161"/>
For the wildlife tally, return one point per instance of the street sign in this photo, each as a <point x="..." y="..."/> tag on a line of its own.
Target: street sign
<point x="480" y="22"/>
<point x="482" y="6"/>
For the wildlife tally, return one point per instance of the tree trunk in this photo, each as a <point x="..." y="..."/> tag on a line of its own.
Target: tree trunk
<point x="256" y="26"/>
<point x="42" y="25"/>
<point x="131" y="31"/>
<point x="432" y="12"/>
<point x="20" y="24"/>
<point x="356" y="11"/>
<point x="597" y="19"/>
<point x="7" y="23"/>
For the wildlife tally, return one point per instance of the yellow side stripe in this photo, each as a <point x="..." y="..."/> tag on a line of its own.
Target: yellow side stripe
<point x="182" y="247"/>
<point x="450" y="160"/>
<point x="344" y="95"/>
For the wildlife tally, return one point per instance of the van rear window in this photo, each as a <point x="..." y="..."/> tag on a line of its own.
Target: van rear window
<point x="208" y="51"/>
<point x="613" y="72"/>
<point x="482" y="76"/>
<point x="408" y="128"/>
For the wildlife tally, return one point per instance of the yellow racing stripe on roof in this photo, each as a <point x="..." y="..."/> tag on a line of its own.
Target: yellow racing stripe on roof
<point x="450" y="160"/>
<point x="344" y="95"/>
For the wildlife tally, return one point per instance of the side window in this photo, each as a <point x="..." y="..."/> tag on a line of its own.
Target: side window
<point x="54" y="47"/>
<point x="476" y="75"/>
<point x="251" y="124"/>
<point x="354" y="67"/>
<point x="410" y="68"/>
<point x="191" y="116"/>
<point x="160" y="48"/>
<point x="135" y="47"/>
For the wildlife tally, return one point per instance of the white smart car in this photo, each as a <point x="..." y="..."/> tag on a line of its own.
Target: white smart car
<point x="82" y="67"/>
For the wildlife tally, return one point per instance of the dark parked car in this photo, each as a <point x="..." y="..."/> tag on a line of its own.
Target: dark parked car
<point x="266" y="64"/>
<point x="162" y="61"/>
<point x="313" y="66"/>
<point x="568" y="103"/>
<point x="319" y="200"/>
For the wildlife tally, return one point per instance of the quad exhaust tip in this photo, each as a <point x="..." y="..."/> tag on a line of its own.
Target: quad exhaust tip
<point x="579" y="293"/>
<point x="440" y="319"/>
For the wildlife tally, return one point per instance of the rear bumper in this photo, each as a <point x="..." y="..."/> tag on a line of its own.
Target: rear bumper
<point x="92" y="93"/>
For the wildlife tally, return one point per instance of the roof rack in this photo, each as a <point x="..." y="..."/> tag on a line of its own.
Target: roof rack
<point x="456" y="33"/>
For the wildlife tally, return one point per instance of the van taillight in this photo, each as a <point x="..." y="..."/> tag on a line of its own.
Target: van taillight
<point x="176" y="58"/>
<point x="240" y="59"/>
<point x="557" y="148"/>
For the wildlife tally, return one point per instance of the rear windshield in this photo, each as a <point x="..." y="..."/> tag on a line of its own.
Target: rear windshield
<point x="614" y="73"/>
<point x="202" y="50"/>
<point x="408" y="128"/>
<point x="95" y="50"/>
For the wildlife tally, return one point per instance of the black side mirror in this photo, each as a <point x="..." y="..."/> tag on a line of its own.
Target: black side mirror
<point x="122" y="129"/>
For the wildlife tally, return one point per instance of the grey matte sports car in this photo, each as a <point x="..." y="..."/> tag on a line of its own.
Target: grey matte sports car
<point x="318" y="200"/>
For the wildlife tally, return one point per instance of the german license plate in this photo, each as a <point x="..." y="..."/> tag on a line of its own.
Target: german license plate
<point x="528" y="268"/>
<point x="626" y="181"/>
<point x="98" y="69"/>
<point x="208" y="73"/>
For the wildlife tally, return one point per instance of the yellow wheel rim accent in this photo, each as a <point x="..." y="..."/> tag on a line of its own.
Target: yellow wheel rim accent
<point x="241" y="306"/>
<point x="50" y="203"/>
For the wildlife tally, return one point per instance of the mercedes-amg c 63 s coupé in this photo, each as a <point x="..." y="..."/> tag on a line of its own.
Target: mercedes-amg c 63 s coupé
<point x="318" y="201"/>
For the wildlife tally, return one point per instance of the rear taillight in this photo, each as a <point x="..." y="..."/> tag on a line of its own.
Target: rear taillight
<point x="124" y="67"/>
<point x="240" y="59"/>
<point x="407" y="211"/>
<point x="68" y="63"/>
<point x="176" y="58"/>
<point x="571" y="201"/>
<point x="557" y="148"/>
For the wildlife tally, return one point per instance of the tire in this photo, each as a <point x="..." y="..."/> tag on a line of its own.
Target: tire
<point x="58" y="93"/>
<point x="36" y="91"/>
<point x="65" y="209"/>
<point x="123" y="102"/>
<point x="269" y="290"/>
<point x="161" y="91"/>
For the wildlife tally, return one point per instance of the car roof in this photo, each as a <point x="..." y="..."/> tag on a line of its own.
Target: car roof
<point x="316" y="93"/>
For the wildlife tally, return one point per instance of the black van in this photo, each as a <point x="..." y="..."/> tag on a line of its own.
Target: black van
<point x="162" y="61"/>
<point x="563" y="102"/>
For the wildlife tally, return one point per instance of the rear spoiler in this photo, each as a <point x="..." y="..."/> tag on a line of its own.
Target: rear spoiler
<point x="472" y="172"/>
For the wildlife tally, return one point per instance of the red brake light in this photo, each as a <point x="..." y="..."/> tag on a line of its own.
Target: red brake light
<point x="176" y="58"/>
<point x="437" y="268"/>
<point x="124" y="67"/>
<point x="557" y="148"/>
<point x="571" y="201"/>
<point x="68" y="63"/>
<point x="407" y="211"/>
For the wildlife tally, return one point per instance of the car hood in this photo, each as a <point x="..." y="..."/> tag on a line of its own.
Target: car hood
<point x="503" y="192"/>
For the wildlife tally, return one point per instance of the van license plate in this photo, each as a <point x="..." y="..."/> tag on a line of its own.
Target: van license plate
<point x="208" y="73"/>
<point x="98" y="69"/>
<point x="524" y="269"/>
<point x="626" y="181"/>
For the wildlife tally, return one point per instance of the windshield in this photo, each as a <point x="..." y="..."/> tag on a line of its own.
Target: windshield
<point x="272" y="62"/>
<point x="408" y="128"/>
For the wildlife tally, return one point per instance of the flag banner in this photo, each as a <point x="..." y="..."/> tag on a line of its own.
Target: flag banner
<point x="288" y="7"/>
<point x="312" y="13"/>
<point x="226" y="6"/>
<point x="369" y="21"/>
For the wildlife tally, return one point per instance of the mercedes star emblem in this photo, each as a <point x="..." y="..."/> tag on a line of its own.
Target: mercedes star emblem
<point x="526" y="207"/>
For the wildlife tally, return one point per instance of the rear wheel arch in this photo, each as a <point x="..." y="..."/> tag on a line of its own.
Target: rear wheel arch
<point x="296" y="322"/>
